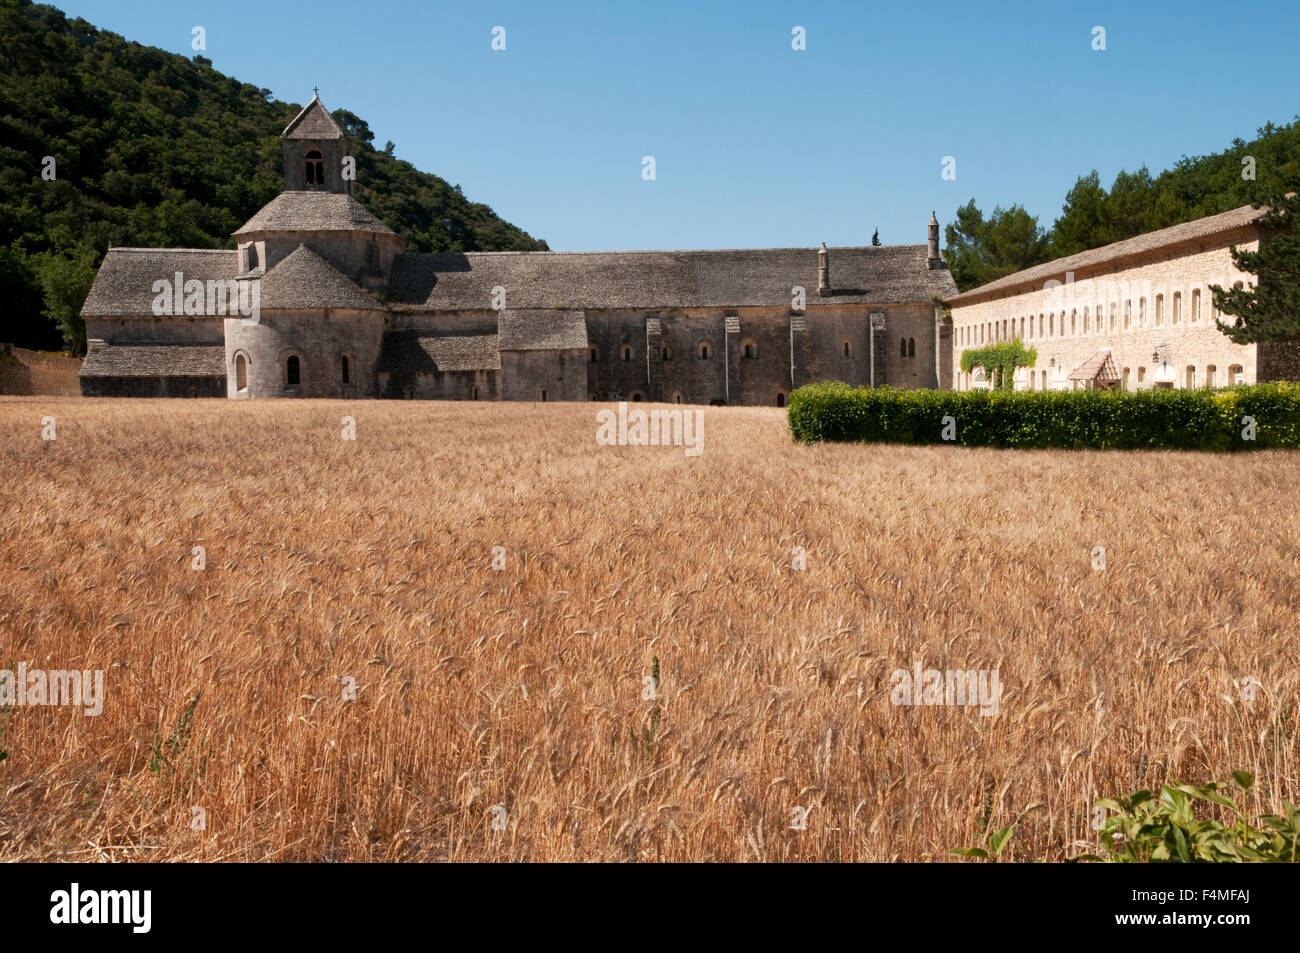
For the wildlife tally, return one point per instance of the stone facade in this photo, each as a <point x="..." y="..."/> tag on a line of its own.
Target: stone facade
<point x="343" y="311"/>
<point x="1158" y="316"/>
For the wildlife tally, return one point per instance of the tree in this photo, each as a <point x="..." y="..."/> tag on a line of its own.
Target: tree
<point x="1082" y="218"/>
<point x="979" y="251"/>
<point x="65" y="281"/>
<point x="875" y="237"/>
<point x="1270" y="311"/>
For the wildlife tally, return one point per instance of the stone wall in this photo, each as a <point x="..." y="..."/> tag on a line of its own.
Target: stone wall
<point x="319" y="339"/>
<point x="153" y="387"/>
<point x="526" y="374"/>
<point x="147" y="329"/>
<point x="1061" y="313"/>
<point x="440" y="385"/>
<point x="656" y="355"/>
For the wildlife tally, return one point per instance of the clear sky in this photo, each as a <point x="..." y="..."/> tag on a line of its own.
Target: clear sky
<point x="756" y="144"/>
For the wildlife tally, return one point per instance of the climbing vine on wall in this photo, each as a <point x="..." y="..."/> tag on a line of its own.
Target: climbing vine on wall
<point x="999" y="361"/>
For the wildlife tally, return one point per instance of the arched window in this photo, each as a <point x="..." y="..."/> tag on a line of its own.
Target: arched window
<point x="1051" y="324"/>
<point x="1196" y="305"/>
<point x="1160" y="310"/>
<point x="627" y="352"/>
<point x="1128" y="314"/>
<point x="902" y="347"/>
<point x="847" y="347"/>
<point x="703" y="350"/>
<point x="1074" y="318"/>
<point x="1022" y="326"/>
<point x="1178" y="306"/>
<point x="410" y="393"/>
<point x="595" y="356"/>
<point x="666" y="352"/>
<point x="347" y="377"/>
<point x="911" y="347"/>
<point x="1142" y="312"/>
<point x="780" y="399"/>
<point x="473" y="394"/>
<point x="677" y="397"/>
<point x="1234" y="374"/>
<point x="1085" y="320"/>
<point x="241" y="372"/>
<point x="1211" y="375"/>
<point x="314" y="167"/>
<point x="1142" y="375"/>
<point x="252" y="256"/>
<point x="749" y="350"/>
<point x="291" y="368"/>
<point x="1114" y="315"/>
<point x="1125" y="375"/>
<point x="541" y="395"/>
<point x="636" y="397"/>
<point x="1191" y="376"/>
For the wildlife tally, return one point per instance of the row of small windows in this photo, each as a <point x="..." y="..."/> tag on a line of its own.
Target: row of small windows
<point x="1191" y="378"/>
<point x="292" y="371"/>
<point x="748" y="350"/>
<point x="1053" y="325"/>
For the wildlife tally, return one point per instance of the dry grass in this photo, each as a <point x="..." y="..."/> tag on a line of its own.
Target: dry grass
<point x="523" y="688"/>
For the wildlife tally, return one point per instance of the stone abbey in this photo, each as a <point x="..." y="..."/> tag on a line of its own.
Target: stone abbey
<point x="344" y="311"/>
<point x="339" y="308"/>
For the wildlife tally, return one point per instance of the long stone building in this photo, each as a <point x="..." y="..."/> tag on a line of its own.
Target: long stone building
<point x="1136" y="314"/>
<point x="320" y="299"/>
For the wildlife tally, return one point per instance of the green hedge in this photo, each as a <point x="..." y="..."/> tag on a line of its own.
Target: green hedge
<point x="1108" y="420"/>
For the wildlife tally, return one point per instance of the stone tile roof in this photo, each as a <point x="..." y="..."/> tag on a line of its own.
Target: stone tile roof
<point x="883" y="274"/>
<point x="312" y="122"/>
<point x="425" y="351"/>
<point x="1099" y="367"/>
<point x="1034" y="278"/>
<point x="306" y="281"/>
<point x="542" y="330"/>
<point x="313" y="211"/>
<point x="123" y="286"/>
<point x="156" y="360"/>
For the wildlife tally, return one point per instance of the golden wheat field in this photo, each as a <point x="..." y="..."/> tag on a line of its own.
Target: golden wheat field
<point x="507" y="714"/>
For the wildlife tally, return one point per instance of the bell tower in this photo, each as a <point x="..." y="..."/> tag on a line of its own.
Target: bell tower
<point x="314" y="150"/>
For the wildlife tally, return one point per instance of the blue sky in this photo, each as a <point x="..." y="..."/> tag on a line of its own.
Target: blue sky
<point x="756" y="144"/>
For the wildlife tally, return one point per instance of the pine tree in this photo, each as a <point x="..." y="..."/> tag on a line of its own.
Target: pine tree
<point x="1270" y="311"/>
<point x="875" y="237"/>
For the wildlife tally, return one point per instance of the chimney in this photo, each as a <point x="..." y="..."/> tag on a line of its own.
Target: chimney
<point x="823" y="270"/>
<point x="933" y="260"/>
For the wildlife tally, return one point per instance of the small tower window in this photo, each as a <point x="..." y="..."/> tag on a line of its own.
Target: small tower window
<point x="314" y="167"/>
<point x="291" y="371"/>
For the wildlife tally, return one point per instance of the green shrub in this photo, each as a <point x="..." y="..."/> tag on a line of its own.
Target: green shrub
<point x="1143" y="828"/>
<point x="1105" y="420"/>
